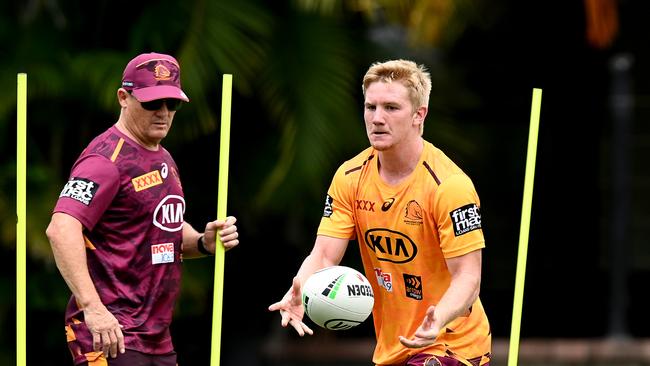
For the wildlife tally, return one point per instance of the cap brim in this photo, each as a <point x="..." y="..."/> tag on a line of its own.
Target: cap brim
<point x="159" y="92"/>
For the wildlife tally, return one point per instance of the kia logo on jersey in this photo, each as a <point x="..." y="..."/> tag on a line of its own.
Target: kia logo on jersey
<point x="168" y="215"/>
<point x="390" y="245"/>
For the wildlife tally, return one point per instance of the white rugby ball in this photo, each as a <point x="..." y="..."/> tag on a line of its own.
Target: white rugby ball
<point x="337" y="298"/>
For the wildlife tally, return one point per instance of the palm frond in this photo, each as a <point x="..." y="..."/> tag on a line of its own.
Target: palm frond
<point x="309" y="89"/>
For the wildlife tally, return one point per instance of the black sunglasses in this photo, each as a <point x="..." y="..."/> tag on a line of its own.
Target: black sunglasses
<point x="156" y="104"/>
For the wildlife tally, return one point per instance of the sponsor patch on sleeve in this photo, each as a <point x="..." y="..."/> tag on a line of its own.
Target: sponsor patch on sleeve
<point x="80" y="189"/>
<point x="327" y="212"/>
<point x="466" y="218"/>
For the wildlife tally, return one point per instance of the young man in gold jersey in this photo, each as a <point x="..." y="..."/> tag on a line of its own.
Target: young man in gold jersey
<point x="416" y="217"/>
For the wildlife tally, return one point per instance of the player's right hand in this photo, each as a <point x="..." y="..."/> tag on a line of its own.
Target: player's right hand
<point x="291" y="309"/>
<point x="105" y="329"/>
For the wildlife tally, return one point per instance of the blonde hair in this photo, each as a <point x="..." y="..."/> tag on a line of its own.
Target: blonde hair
<point x="415" y="78"/>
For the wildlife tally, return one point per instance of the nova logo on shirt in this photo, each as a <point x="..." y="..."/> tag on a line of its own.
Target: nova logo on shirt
<point x="168" y="215"/>
<point x="384" y="279"/>
<point x="466" y="219"/>
<point x="145" y="181"/>
<point x="162" y="253"/>
<point x="391" y="246"/>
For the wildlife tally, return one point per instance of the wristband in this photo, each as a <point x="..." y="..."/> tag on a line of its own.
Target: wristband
<point x="201" y="247"/>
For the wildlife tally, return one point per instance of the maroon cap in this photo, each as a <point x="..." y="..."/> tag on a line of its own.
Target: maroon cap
<point x="152" y="76"/>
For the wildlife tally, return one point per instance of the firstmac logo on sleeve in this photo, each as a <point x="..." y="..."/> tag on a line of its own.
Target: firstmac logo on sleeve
<point x="80" y="189"/>
<point x="466" y="219"/>
<point x="327" y="212"/>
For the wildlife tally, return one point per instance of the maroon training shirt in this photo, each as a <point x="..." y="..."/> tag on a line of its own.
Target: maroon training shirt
<point x="130" y="202"/>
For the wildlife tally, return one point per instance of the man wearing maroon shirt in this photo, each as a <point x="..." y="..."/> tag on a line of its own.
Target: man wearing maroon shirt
<point x="117" y="230"/>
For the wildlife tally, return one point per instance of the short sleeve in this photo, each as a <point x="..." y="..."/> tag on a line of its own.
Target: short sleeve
<point x="338" y="214"/>
<point x="93" y="183"/>
<point x="457" y="213"/>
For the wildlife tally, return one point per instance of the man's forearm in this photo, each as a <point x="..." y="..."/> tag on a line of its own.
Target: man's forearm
<point x="462" y="293"/>
<point x="69" y="251"/>
<point x="190" y="242"/>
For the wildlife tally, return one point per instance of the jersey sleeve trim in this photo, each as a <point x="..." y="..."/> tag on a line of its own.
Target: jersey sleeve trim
<point x="433" y="174"/>
<point x="117" y="150"/>
<point x="352" y="170"/>
<point x="88" y="243"/>
<point x="335" y="234"/>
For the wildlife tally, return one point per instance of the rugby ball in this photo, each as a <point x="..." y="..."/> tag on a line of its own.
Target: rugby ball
<point x="337" y="298"/>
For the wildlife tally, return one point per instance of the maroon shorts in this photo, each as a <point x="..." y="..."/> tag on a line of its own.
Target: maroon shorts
<point x="423" y="359"/>
<point x="135" y="358"/>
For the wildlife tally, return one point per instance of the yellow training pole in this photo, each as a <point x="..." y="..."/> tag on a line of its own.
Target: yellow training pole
<point x="21" y="210"/>
<point x="222" y="198"/>
<point x="525" y="225"/>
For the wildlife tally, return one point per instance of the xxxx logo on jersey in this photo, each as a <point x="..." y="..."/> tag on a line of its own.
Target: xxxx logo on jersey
<point x="146" y="181"/>
<point x="390" y="245"/>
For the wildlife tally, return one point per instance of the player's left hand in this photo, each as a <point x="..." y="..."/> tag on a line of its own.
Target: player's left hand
<point x="426" y="333"/>
<point x="227" y="233"/>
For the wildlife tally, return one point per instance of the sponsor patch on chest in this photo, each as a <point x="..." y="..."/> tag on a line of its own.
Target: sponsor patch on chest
<point x="384" y="279"/>
<point x="145" y="181"/>
<point x="168" y="215"/>
<point x="162" y="253"/>
<point x="413" y="286"/>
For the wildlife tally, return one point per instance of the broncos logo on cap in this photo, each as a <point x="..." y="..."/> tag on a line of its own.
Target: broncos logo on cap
<point x="161" y="72"/>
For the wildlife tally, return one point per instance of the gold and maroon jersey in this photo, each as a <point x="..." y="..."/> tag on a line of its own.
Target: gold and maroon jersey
<point x="405" y="232"/>
<point x="131" y="204"/>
